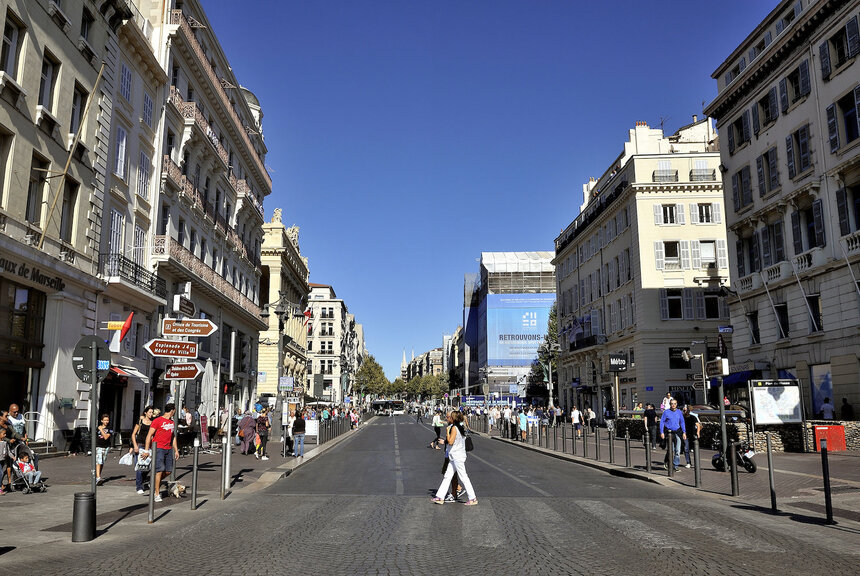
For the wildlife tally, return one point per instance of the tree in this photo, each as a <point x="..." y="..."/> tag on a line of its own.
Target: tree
<point x="538" y="378"/>
<point x="371" y="378"/>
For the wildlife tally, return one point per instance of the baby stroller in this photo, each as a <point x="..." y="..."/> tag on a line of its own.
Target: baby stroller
<point x="19" y="479"/>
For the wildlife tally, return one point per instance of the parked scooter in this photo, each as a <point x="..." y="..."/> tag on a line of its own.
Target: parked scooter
<point x="743" y="455"/>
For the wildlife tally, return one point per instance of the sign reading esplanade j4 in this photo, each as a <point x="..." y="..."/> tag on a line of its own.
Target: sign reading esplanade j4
<point x="21" y="270"/>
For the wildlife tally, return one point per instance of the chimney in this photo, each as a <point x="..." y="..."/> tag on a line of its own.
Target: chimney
<point x="695" y="118"/>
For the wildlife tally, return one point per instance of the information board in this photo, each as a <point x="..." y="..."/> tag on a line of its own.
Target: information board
<point x="776" y="402"/>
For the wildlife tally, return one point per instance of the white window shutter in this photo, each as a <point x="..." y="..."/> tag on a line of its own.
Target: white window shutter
<point x="623" y="305"/>
<point x="700" y="304"/>
<point x="659" y="256"/>
<point x="664" y="305"/>
<point x="685" y="255"/>
<point x="679" y="213"/>
<point x="658" y="214"/>
<point x="722" y="254"/>
<point x="696" y="254"/>
<point x="689" y="310"/>
<point x="715" y="213"/>
<point x="694" y="213"/>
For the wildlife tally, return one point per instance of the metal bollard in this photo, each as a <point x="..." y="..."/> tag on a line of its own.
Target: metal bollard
<point x="627" y="449"/>
<point x="84" y="517"/>
<point x="670" y="454"/>
<point x="564" y="439"/>
<point x="597" y="444"/>
<point x="585" y="442"/>
<point x="732" y="461"/>
<point x="151" y="514"/>
<point x="555" y="439"/>
<point x="611" y="436"/>
<point x="194" y="465"/>
<point x="224" y="448"/>
<point x="697" y="467"/>
<point x="825" y="474"/>
<point x="770" y="473"/>
<point x="647" y="452"/>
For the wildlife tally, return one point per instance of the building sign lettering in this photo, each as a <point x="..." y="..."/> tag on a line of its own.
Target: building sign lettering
<point x="32" y="274"/>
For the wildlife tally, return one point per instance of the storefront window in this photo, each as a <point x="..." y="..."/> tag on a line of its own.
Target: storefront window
<point x="22" y="320"/>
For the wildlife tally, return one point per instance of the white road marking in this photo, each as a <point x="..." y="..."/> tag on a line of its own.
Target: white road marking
<point x="646" y="536"/>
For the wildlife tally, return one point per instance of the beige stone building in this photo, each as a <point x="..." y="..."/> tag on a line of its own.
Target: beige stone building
<point x="638" y="271"/>
<point x="285" y="291"/>
<point x="787" y="111"/>
<point x="428" y="363"/>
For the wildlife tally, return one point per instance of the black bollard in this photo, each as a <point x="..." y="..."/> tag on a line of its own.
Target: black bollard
<point x="697" y="469"/>
<point x="585" y="442"/>
<point x="555" y="440"/>
<point x="597" y="444"/>
<point x="825" y="474"/>
<point x="647" y="452"/>
<point x="732" y="461"/>
<point x="670" y="453"/>
<point x="194" y="466"/>
<point x="611" y="435"/>
<point x="84" y="517"/>
<point x="770" y="473"/>
<point x="627" y="449"/>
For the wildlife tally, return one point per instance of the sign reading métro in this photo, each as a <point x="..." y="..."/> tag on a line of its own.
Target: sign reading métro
<point x="618" y="362"/>
<point x="199" y="327"/>
<point x="183" y="371"/>
<point x="171" y="348"/>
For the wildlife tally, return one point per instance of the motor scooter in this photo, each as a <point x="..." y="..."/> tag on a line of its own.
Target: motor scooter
<point x="743" y="456"/>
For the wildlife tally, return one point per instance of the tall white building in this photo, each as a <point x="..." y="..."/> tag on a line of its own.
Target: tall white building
<point x="787" y="110"/>
<point x="638" y="271"/>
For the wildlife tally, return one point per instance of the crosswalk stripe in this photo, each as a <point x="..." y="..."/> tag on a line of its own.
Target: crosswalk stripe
<point x="480" y="526"/>
<point x="727" y="536"/>
<point x="633" y="529"/>
<point x="354" y="512"/>
<point x="555" y="527"/>
<point x="413" y="526"/>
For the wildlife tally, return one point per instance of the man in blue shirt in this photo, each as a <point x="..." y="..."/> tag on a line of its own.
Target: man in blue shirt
<point x="672" y="420"/>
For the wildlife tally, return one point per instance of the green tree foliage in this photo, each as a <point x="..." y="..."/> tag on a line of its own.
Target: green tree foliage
<point x="538" y="378"/>
<point x="371" y="378"/>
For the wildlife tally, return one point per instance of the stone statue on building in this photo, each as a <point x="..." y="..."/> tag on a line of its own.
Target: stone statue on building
<point x="293" y="235"/>
<point x="276" y="216"/>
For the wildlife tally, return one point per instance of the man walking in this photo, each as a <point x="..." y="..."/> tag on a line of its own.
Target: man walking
<point x="576" y="420"/>
<point x="693" y="427"/>
<point x="673" y="421"/>
<point x="166" y="451"/>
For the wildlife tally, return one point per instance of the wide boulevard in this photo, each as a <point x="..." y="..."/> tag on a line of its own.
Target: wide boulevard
<point x="363" y="507"/>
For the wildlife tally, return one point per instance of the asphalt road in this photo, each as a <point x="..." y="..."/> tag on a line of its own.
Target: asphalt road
<point x="364" y="507"/>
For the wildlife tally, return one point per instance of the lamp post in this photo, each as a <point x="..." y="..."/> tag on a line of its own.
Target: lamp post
<point x="549" y="349"/>
<point x="280" y="307"/>
<point x="687" y="356"/>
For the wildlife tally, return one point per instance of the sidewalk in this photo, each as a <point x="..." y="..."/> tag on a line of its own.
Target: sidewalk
<point x="43" y="518"/>
<point x="798" y="478"/>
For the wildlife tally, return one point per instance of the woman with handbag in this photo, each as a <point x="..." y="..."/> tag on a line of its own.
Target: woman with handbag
<point x="263" y="427"/>
<point x="455" y="437"/>
<point x="138" y="440"/>
<point x="247" y="431"/>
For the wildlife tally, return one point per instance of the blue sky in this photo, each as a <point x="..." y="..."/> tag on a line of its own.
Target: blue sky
<point x="407" y="137"/>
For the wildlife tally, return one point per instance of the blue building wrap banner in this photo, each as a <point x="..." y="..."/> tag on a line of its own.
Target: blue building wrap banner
<point x="516" y="325"/>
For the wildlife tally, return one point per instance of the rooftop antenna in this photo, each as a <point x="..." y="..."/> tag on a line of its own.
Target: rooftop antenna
<point x="663" y="121"/>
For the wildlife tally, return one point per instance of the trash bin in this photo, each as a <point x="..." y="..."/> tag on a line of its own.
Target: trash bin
<point x="835" y="436"/>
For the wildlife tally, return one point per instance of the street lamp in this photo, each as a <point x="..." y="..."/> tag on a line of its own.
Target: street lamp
<point x="687" y="356"/>
<point x="548" y="349"/>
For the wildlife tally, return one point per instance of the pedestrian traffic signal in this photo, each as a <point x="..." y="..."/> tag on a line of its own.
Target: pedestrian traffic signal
<point x="229" y="386"/>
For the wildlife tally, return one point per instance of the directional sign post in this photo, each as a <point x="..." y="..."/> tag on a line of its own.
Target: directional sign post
<point x="183" y="305"/>
<point x="195" y="327"/>
<point x="183" y="371"/>
<point x="171" y="348"/>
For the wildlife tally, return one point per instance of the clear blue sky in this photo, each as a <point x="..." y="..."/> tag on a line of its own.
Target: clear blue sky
<point x="407" y="137"/>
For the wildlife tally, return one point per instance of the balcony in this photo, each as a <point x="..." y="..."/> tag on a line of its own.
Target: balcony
<point x="178" y="18"/>
<point x="749" y="282"/>
<point x="126" y="270"/>
<point x="190" y="111"/>
<point x="243" y="192"/>
<point x="810" y="259"/>
<point x="701" y="175"/>
<point x="186" y="266"/>
<point x="852" y="243"/>
<point x="172" y="172"/>
<point x="777" y="272"/>
<point x="664" y="176"/>
<point x="587" y="342"/>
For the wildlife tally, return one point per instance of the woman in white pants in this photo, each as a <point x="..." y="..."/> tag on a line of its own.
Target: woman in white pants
<point x="457" y="461"/>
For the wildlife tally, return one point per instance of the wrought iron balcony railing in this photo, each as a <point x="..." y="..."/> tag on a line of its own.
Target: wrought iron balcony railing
<point x="117" y="265"/>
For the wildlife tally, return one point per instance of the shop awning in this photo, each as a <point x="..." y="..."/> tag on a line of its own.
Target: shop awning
<point x="734" y="378"/>
<point x="128" y="371"/>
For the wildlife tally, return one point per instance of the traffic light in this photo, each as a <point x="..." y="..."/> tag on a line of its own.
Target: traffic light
<point x="229" y="386"/>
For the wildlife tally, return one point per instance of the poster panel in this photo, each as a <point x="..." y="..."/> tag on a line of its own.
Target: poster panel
<point x="776" y="402"/>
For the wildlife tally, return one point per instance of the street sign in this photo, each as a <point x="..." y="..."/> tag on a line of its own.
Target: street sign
<point x="726" y="329"/>
<point x="183" y="371"/>
<point x="196" y="327"/>
<point x="618" y="362"/>
<point x="298" y="389"/>
<point x="286" y="383"/>
<point x="183" y="305"/>
<point x="718" y="367"/>
<point x="82" y="358"/>
<point x="171" y="348"/>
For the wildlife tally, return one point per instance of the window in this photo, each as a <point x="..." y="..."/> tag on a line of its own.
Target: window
<point x="848" y="208"/>
<point x="192" y="241"/>
<point x="174" y="75"/>
<point x="676" y="304"/>
<point x="668" y="214"/>
<point x="117" y="232"/>
<point x="797" y="152"/>
<point x="765" y="111"/>
<point x="739" y="132"/>
<point x="138" y="250"/>
<point x="814" y="303"/>
<point x="35" y="190"/>
<point x="48" y="81"/>
<point x="147" y="110"/>
<point x="789" y="17"/>
<point x="707" y="254"/>
<point x="79" y="103"/>
<point x="752" y="321"/>
<point x="143" y="169"/>
<point x="772" y="246"/>
<point x="794" y="87"/>
<point x="87" y="21"/>
<point x="839" y="48"/>
<point x="5" y="154"/>
<point x="125" y="82"/>
<point x="164" y="224"/>
<point x="67" y="212"/>
<point x="741" y="189"/>
<point x="782" y="325"/>
<point x="710" y="304"/>
<point x="768" y="172"/>
<point x="204" y="255"/>
<point x="664" y="172"/>
<point x="673" y="255"/>
<point x="121" y="152"/>
<point x="701" y="172"/>
<point x="756" y="50"/>
<point x="843" y="123"/>
<point x="736" y="70"/>
<point x="214" y="259"/>
<point x="807" y="227"/>
<point x="180" y="237"/>
<point x="704" y="213"/>
<point x="13" y="39"/>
